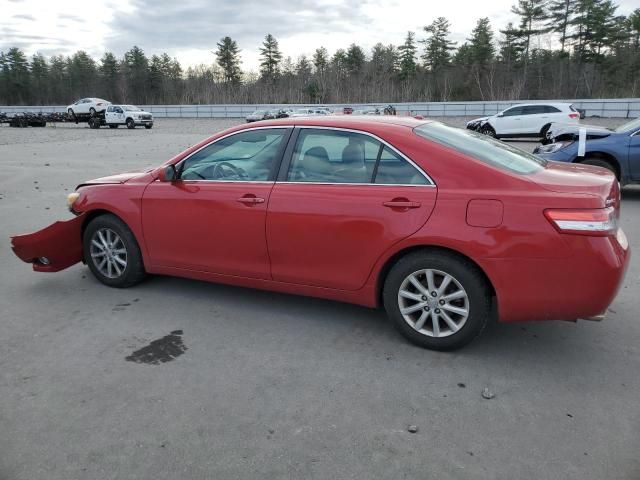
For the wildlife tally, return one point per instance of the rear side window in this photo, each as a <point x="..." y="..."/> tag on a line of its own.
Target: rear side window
<point x="550" y="109"/>
<point x="338" y="156"/>
<point x="534" y="109"/>
<point x="481" y="147"/>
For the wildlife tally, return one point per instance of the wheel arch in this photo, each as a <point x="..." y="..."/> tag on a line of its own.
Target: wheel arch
<point x="91" y="214"/>
<point x="393" y="259"/>
<point x="607" y="157"/>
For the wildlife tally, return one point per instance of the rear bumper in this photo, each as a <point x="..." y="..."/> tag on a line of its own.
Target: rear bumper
<point x="581" y="286"/>
<point x="53" y="248"/>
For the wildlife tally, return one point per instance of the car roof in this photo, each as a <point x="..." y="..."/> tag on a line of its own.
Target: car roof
<point x="564" y="104"/>
<point x="346" y="121"/>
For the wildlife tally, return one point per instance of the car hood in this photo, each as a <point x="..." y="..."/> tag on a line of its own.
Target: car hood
<point x="115" y="179"/>
<point x="481" y="119"/>
<point x="575" y="178"/>
<point x="561" y="131"/>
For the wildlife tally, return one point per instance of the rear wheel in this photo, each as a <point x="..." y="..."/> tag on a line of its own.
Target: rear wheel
<point x="544" y="130"/>
<point x="112" y="252"/>
<point x="130" y="124"/>
<point x="437" y="300"/>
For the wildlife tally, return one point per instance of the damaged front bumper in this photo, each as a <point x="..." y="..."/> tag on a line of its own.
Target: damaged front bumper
<point x="53" y="248"/>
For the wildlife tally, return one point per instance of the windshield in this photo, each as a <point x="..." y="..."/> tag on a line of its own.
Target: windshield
<point x="481" y="147"/>
<point x="131" y="108"/>
<point x="629" y="126"/>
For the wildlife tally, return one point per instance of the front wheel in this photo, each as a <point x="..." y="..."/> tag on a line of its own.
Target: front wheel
<point x="488" y="131"/>
<point x="437" y="300"/>
<point x="130" y="124"/>
<point x="112" y="252"/>
<point x="599" y="162"/>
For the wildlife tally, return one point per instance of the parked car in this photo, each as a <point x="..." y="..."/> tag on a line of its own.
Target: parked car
<point x="525" y="120"/>
<point x="306" y="112"/>
<point x="445" y="228"/>
<point x="128" y="115"/>
<point x="257" y="116"/>
<point x="347" y="110"/>
<point x="617" y="150"/>
<point x="88" y="106"/>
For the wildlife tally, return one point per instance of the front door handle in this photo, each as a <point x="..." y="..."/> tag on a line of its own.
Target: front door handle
<point x="401" y="203"/>
<point x="250" y="200"/>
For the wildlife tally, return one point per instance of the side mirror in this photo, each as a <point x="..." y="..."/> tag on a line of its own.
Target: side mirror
<point x="168" y="174"/>
<point x="501" y="115"/>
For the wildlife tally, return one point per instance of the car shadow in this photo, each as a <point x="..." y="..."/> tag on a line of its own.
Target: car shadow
<point x="631" y="192"/>
<point x="528" y="344"/>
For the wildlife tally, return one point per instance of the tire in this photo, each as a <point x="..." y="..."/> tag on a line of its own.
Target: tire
<point x="113" y="239"/>
<point x="544" y="130"/>
<point x="148" y="127"/>
<point x="600" y="162"/>
<point x="489" y="131"/>
<point x="94" y="123"/>
<point x="130" y="124"/>
<point x="113" y="126"/>
<point x="92" y="112"/>
<point x="465" y="281"/>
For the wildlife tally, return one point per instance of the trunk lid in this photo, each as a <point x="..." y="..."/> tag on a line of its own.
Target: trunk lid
<point x="579" y="179"/>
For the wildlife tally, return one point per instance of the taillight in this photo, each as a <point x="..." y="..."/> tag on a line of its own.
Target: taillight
<point x="597" y="222"/>
<point x="574" y="115"/>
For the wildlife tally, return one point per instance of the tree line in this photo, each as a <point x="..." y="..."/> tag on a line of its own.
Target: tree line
<point x="556" y="49"/>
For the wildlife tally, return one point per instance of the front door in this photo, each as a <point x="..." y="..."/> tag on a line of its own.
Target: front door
<point x="342" y="201"/>
<point x="213" y="218"/>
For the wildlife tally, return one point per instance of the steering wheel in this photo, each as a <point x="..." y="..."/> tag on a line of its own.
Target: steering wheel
<point x="220" y="172"/>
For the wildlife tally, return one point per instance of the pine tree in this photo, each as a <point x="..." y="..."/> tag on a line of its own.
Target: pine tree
<point x="228" y="57"/>
<point x="438" y="48"/>
<point x="559" y="16"/>
<point x="532" y="14"/>
<point x="320" y="59"/>
<point x="270" y="58"/>
<point x="407" y="56"/>
<point x="481" y="48"/>
<point x="40" y="77"/>
<point x="136" y="71"/>
<point x="354" y="59"/>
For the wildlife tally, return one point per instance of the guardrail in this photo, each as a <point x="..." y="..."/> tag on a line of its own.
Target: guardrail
<point x="610" y="108"/>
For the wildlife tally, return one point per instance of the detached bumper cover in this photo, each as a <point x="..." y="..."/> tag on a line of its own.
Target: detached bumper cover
<point x="60" y="244"/>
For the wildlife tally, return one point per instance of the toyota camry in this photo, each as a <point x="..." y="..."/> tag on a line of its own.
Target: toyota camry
<point x="444" y="228"/>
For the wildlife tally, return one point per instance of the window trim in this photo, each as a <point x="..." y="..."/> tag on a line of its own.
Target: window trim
<point x="288" y="130"/>
<point x="288" y="157"/>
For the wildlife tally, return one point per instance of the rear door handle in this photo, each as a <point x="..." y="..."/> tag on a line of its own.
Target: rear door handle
<point x="401" y="204"/>
<point x="250" y="200"/>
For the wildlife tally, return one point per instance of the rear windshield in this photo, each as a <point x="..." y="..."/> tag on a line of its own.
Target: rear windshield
<point x="481" y="147"/>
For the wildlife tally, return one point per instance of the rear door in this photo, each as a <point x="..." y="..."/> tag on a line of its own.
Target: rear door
<point x="342" y="198"/>
<point x="533" y="119"/>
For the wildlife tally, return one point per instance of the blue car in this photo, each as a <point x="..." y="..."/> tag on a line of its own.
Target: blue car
<point x="617" y="149"/>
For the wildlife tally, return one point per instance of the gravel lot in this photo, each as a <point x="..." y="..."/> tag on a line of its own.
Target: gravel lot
<point x="277" y="386"/>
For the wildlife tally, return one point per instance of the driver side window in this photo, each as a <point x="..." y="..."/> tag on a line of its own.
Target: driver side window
<point x="245" y="156"/>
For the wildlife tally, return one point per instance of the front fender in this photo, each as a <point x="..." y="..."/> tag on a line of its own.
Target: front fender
<point x="53" y="248"/>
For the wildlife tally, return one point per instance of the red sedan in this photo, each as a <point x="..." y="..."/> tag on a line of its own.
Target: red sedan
<point x="444" y="227"/>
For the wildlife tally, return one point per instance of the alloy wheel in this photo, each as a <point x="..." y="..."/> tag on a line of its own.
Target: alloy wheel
<point x="433" y="303"/>
<point x="108" y="253"/>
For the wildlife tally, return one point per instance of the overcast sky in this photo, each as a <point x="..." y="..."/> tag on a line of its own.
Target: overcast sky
<point x="190" y="29"/>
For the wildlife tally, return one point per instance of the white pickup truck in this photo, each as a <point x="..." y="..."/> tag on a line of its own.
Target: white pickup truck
<point x="128" y="115"/>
